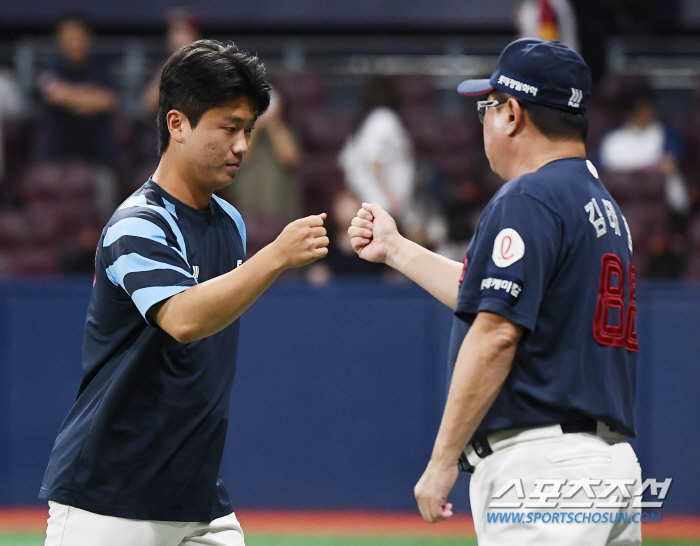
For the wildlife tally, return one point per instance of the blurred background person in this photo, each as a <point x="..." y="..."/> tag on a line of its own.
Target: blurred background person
<point x="77" y="91"/>
<point x="645" y="143"/>
<point x="183" y="28"/>
<point x="11" y="109"/>
<point x="79" y="101"/>
<point x="267" y="191"/>
<point x="342" y="259"/>
<point x="549" y="20"/>
<point x="377" y="158"/>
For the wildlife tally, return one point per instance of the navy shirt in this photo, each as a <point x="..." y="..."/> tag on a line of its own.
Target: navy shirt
<point x="145" y="437"/>
<point x="80" y="136"/>
<point x="553" y="254"/>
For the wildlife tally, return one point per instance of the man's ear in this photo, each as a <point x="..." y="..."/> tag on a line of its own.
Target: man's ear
<point x="177" y="121"/>
<point x="515" y="116"/>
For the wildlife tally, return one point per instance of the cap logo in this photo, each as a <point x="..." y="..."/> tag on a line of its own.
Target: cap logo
<point x="576" y="98"/>
<point x="518" y="86"/>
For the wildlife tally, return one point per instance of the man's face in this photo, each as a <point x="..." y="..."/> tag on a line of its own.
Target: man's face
<point x="214" y="149"/>
<point x="495" y="136"/>
<point x="74" y="41"/>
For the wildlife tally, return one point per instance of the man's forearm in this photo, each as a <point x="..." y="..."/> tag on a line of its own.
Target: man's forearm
<point x="209" y="307"/>
<point x="88" y="99"/>
<point x="436" y="274"/>
<point x="482" y="366"/>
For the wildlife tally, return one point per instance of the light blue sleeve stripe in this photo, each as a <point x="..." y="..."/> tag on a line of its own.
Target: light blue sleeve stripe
<point x="135" y="263"/>
<point x="134" y="201"/>
<point x="173" y="225"/>
<point x="169" y="207"/>
<point x="235" y="215"/>
<point x="134" y="227"/>
<point x="140" y="201"/>
<point x="145" y="298"/>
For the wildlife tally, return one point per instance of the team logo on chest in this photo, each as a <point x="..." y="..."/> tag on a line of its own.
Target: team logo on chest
<point x="195" y="272"/>
<point x="508" y="248"/>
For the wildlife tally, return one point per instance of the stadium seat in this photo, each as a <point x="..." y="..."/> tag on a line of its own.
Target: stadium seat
<point x="33" y="261"/>
<point x="415" y="90"/>
<point x="424" y="130"/>
<point x="432" y="132"/>
<point x="326" y="131"/>
<point x="59" y="180"/>
<point x="320" y="177"/>
<point x="303" y="92"/>
<point x="457" y="165"/>
<point x="262" y="229"/>
<point x="641" y="186"/>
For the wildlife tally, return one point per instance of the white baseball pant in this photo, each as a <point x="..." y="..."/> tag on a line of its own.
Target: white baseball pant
<point x="574" y="456"/>
<point x="70" y="526"/>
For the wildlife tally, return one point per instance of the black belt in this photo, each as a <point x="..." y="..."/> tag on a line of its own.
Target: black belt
<point x="483" y="449"/>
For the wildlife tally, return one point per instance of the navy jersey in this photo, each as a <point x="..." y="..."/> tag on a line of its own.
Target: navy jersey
<point x="145" y="437"/>
<point x="553" y="254"/>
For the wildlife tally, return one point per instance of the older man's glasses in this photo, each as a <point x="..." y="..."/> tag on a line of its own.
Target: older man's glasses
<point x="483" y="105"/>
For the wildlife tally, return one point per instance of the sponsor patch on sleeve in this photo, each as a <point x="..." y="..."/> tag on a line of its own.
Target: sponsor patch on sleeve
<point x="508" y="248"/>
<point x="501" y="286"/>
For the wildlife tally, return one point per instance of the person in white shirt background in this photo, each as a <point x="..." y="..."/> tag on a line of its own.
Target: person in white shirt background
<point x="645" y="142"/>
<point x="377" y="158"/>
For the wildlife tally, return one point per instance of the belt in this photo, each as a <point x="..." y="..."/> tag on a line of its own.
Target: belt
<point x="483" y="447"/>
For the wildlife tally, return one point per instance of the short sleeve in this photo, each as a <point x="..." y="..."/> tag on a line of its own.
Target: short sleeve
<point x="144" y="253"/>
<point x="511" y="260"/>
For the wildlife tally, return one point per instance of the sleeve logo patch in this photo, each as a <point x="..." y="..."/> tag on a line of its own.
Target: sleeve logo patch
<point x="508" y="248"/>
<point x="497" y="285"/>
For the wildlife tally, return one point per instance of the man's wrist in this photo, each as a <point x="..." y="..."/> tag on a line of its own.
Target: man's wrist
<point x="276" y="257"/>
<point x="445" y="456"/>
<point x="395" y="251"/>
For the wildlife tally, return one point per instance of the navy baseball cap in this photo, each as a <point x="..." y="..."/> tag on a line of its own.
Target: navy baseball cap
<point x="547" y="73"/>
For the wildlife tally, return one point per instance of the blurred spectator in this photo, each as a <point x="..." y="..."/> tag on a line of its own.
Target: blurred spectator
<point x="77" y="91"/>
<point x="267" y="183"/>
<point x="10" y="109"/>
<point x="341" y="259"/>
<point x="182" y="29"/>
<point x="378" y="157"/>
<point x="78" y="95"/>
<point x="644" y="142"/>
<point x="549" y="20"/>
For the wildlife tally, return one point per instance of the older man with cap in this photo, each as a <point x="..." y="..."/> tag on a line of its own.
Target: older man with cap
<point x="543" y="345"/>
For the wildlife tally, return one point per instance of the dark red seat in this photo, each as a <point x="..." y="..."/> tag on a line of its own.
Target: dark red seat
<point x="433" y="132"/>
<point x="320" y="178"/>
<point x="458" y="165"/>
<point x="59" y="180"/>
<point x="643" y="186"/>
<point x="301" y="87"/>
<point x="262" y="230"/>
<point x="415" y="89"/>
<point x="303" y="92"/>
<point x="424" y="130"/>
<point x="326" y="131"/>
<point x="31" y="261"/>
<point x="646" y="222"/>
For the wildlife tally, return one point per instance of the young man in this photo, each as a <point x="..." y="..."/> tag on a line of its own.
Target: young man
<point x="544" y="346"/>
<point x="137" y="459"/>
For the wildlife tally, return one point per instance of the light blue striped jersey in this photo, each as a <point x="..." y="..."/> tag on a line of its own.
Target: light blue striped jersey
<point x="145" y="437"/>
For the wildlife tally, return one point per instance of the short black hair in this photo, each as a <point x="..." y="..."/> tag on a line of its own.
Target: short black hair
<point x="202" y="75"/>
<point x="554" y="123"/>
